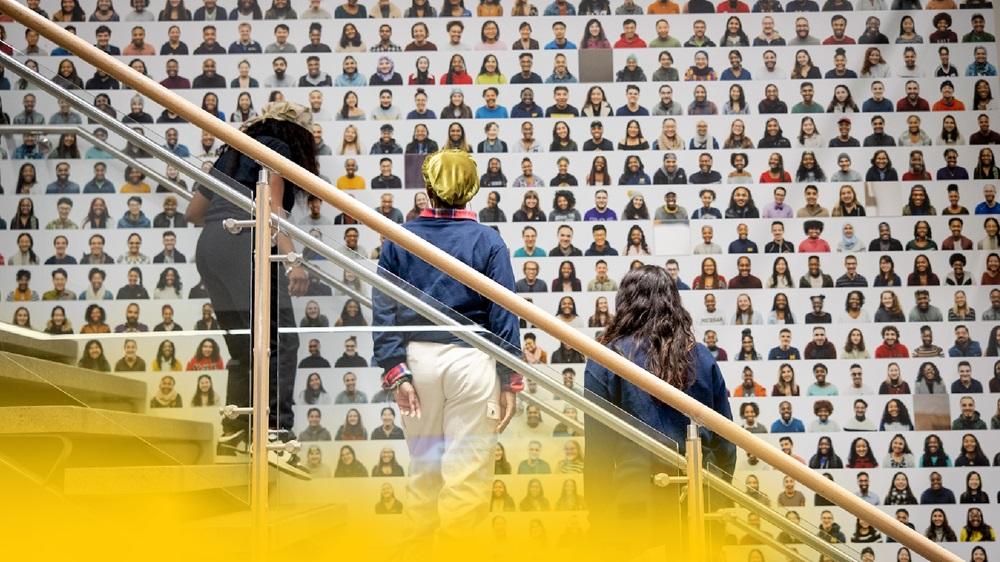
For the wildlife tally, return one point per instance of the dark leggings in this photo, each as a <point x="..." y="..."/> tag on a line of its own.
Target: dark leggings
<point x="226" y="266"/>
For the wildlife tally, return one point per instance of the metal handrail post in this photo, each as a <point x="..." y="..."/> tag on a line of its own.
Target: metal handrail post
<point x="261" y="369"/>
<point x="697" y="546"/>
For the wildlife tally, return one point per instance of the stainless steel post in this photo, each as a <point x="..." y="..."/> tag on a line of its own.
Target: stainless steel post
<point x="261" y="369"/>
<point x="697" y="548"/>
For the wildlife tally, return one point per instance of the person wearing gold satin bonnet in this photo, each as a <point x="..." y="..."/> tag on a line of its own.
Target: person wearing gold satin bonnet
<point x="225" y="264"/>
<point x="454" y="399"/>
<point x="629" y="513"/>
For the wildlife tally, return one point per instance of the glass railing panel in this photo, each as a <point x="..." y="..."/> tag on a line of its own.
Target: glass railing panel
<point x="335" y="313"/>
<point x="108" y="416"/>
<point x="754" y="521"/>
<point x="127" y="168"/>
<point x="107" y="280"/>
<point x="220" y="300"/>
<point x="548" y="482"/>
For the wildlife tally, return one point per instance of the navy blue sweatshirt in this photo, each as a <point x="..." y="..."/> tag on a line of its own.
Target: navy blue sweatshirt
<point x="932" y="496"/>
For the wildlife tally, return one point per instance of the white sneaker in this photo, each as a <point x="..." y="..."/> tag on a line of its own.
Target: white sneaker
<point x="232" y="443"/>
<point x="289" y="464"/>
<point x="232" y="438"/>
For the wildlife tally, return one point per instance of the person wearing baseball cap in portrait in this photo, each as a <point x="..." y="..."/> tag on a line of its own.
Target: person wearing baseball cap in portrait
<point x="454" y="399"/>
<point x="844" y="138"/>
<point x="386" y="143"/>
<point x="948" y="101"/>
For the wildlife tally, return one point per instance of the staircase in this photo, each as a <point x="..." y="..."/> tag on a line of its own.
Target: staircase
<point x="87" y="435"/>
<point x="79" y="449"/>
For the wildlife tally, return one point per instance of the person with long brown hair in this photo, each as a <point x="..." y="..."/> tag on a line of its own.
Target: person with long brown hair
<point x="653" y="330"/>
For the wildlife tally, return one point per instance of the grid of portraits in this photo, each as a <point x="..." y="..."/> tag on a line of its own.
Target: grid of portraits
<point x="820" y="179"/>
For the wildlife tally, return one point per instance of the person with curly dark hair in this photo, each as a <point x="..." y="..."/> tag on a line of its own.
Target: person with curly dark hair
<point x="651" y="328"/>
<point x="224" y="263"/>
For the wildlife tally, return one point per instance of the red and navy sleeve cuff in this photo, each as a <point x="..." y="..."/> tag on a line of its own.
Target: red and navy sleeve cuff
<point x="396" y="376"/>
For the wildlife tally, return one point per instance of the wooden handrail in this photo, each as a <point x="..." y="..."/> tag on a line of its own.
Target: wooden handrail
<point x="638" y="376"/>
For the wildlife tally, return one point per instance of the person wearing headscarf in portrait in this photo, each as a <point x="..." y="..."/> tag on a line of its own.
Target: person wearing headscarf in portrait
<point x="849" y="241"/>
<point x="385" y="74"/>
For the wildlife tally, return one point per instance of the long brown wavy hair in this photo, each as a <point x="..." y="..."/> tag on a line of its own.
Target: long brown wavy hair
<point x="649" y="309"/>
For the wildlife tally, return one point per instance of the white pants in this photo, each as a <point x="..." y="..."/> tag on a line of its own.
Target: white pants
<point x="451" y="445"/>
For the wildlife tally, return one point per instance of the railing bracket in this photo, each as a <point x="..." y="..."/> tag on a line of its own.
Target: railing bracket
<point x="237" y="226"/>
<point x="292" y="446"/>
<point x="291" y="259"/>
<point x="232" y="412"/>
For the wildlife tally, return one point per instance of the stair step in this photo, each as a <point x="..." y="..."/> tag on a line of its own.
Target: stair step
<point x="30" y="381"/>
<point x="76" y="420"/>
<point x="288" y="525"/>
<point x="45" y="439"/>
<point x="163" y="479"/>
<point x="33" y="344"/>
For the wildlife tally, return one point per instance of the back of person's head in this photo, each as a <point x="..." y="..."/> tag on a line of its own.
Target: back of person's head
<point x="649" y="310"/>
<point x="298" y="137"/>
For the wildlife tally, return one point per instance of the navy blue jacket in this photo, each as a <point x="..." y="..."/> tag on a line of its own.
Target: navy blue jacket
<point x="476" y="245"/>
<point x="708" y="387"/>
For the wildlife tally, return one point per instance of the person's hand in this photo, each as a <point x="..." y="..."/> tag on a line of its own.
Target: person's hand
<point x="406" y="399"/>
<point x="298" y="281"/>
<point x="508" y="403"/>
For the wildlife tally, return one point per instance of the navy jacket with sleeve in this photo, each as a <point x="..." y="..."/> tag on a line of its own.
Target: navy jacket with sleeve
<point x="708" y="387"/>
<point x="476" y="245"/>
